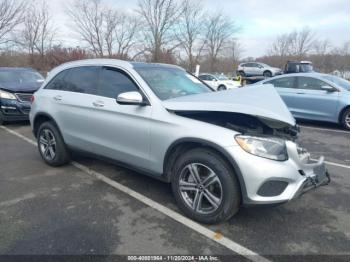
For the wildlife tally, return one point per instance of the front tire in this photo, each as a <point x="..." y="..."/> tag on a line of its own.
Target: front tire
<point x="345" y="119"/>
<point x="51" y="145"/>
<point x="205" y="187"/>
<point x="222" y="88"/>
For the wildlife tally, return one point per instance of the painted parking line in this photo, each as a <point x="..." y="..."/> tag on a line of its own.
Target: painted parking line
<point x="326" y="129"/>
<point x="333" y="164"/>
<point x="214" y="236"/>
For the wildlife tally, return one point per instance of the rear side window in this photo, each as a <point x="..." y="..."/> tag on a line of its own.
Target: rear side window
<point x="82" y="80"/>
<point x="79" y="80"/>
<point x="57" y="83"/>
<point x="203" y="77"/>
<point x="114" y="82"/>
<point x="285" y="82"/>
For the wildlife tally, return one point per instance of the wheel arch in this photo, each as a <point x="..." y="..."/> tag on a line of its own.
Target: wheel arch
<point x="184" y="144"/>
<point x="41" y="118"/>
<point x="341" y="113"/>
<point x="269" y="71"/>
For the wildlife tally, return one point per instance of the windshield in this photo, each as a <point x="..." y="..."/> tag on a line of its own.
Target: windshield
<point x="169" y="83"/>
<point x="338" y="81"/>
<point x="222" y="77"/>
<point x="20" y="76"/>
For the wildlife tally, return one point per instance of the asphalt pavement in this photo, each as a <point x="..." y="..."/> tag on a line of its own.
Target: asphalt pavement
<point x="65" y="211"/>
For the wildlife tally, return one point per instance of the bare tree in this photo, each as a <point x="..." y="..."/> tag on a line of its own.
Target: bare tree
<point x="219" y="30"/>
<point x="88" y="18"/>
<point x="160" y="18"/>
<point x="190" y="31"/>
<point x="302" y="42"/>
<point x="281" y="46"/>
<point x="11" y="15"/>
<point x="38" y="34"/>
<point x="126" y="33"/>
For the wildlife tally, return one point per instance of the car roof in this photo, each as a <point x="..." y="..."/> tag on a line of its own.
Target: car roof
<point x="113" y="62"/>
<point x="314" y="74"/>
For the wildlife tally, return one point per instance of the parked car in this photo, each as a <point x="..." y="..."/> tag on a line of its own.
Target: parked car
<point x="219" y="150"/>
<point x="257" y="69"/>
<point x="219" y="82"/>
<point x="16" y="88"/>
<point x="298" y="67"/>
<point x="315" y="96"/>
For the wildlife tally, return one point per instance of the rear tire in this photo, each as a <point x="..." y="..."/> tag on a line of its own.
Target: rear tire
<point x="51" y="145"/>
<point x="345" y="119"/>
<point x="219" y="199"/>
<point x="267" y="74"/>
<point x="242" y="74"/>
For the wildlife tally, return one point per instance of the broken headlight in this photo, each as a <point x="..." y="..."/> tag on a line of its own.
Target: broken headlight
<point x="267" y="147"/>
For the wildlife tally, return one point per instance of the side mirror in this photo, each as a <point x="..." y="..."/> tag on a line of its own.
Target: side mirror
<point x="131" y="98"/>
<point x="328" y="88"/>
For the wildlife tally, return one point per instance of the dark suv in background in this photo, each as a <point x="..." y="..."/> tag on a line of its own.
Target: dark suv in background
<point x="16" y="88"/>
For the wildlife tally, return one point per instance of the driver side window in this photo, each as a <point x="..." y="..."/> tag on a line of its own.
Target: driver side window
<point x="309" y="83"/>
<point x="113" y="82"/>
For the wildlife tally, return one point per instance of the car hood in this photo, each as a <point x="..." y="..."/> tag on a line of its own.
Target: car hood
<point x="261" y="101"/>
<point x="21" y="87"/>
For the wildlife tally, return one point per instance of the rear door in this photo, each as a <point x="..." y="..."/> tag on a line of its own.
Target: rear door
<point x="313" y="102"/>
<point x="286" y="88"/>
<point x="121" y="132"/>
<point x="74" y="98"/>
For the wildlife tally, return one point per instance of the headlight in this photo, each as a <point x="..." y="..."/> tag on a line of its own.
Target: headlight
<point x="267" y="147"/>
<point x="7" y="95"/>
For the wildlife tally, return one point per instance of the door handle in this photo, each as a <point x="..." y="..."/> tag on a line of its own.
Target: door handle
<point x="57" y="98"/>
<point x="300" y="93"/>
<point x="98" y="104"/>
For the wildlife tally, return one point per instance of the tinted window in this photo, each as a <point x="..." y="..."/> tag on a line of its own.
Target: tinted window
<point x="285" y="82"/>
<point x="310" y="83"/>
<point x="203" y="77"/>
<point x="57" y="83"/>
<point x="113" y="82"/>
<point x="210" y="78"/>
<point x="82" y="80"/>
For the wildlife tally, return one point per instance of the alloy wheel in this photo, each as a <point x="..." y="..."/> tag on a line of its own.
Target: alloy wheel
<point x="347" y="120"/>
<point x="200" y="188"/>
<point x="47" y="144"/>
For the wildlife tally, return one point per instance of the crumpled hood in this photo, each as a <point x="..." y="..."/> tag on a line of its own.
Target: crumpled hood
<point x="261" y="101"/>
<point x="21" y="87"/>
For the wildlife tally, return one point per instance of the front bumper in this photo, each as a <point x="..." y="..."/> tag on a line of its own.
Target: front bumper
<point x="13" y="110"/>
<point x="268" y="181"/>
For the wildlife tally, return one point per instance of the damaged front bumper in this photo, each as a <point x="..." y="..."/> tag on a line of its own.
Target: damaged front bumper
<point x="268" y="181"/>
<point x="319" y="177"/>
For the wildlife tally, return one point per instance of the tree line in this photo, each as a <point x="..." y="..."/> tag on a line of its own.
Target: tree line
<point x="182" y="32"/>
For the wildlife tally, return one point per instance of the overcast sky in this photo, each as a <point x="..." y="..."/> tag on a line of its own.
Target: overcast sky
<point x="260" y="20"/>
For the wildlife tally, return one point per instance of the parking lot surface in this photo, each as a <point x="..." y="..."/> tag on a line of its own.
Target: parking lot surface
<point x="45" y="210"/>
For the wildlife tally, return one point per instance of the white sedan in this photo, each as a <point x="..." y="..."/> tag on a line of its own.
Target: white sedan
<point x="219" y="82"/>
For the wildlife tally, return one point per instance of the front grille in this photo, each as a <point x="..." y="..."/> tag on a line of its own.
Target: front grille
<point x="24" y="97"/>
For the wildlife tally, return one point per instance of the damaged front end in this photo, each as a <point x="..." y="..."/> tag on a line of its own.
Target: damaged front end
<point x="245" y="124"/>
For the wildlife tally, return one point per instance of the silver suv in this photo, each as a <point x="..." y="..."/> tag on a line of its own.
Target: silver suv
<point x="258" y="69"/>
<point x="219" y="150"/>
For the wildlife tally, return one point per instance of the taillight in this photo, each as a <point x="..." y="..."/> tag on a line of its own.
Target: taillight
<point x="32" y="98"/>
